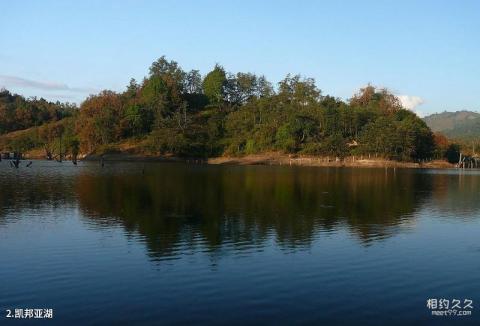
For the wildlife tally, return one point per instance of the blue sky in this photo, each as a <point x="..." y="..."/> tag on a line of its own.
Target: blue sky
<point x="425" y="51"/>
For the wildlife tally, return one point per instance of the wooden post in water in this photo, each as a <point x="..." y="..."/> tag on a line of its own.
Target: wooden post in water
<point x="16" y="160"/>
<point x="60" y="149"/>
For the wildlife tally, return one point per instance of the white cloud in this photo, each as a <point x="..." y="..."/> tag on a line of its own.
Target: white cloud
<point x="411" y="102"/>
<point x="12" y="81"/>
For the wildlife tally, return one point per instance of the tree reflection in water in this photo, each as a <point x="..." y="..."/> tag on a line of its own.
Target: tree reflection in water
<point x="245" y="205"/>
<point x="179" y="205"/>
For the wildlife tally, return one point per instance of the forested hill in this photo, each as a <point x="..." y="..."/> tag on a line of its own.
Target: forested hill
<point x="461" y="124"/>
<point x="17" y="113"/>
<point x="175" y="112"/>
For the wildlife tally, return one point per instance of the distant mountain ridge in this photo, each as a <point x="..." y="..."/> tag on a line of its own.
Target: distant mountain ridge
<point x="460" y="124"/>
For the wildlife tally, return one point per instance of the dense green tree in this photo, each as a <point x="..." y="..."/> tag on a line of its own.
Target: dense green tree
<point x="177" y="113"/>
<point x="294" y="89"/>
<point x="214" y="85"/>
<point x="193" y="91"/>
<point x="193" y="82"/>
<point x="452" y="153"/>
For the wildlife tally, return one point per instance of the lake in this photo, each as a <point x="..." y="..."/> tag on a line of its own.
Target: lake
<point x="172" y="243"/>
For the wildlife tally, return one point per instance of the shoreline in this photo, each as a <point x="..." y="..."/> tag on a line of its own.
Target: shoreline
<point x="321" y="161"/>
<point x="269" y="159"/>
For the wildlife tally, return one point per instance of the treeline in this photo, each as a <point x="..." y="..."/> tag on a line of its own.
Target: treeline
<point x="181" y="113"/>
<point x="17" y="113"/>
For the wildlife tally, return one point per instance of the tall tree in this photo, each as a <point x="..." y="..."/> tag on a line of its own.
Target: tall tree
<point x="193" y="82"/>
<point x="214" y="85"/>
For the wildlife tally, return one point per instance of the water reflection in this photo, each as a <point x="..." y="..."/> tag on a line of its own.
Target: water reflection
<point x="260" y="244"/>
<point x="237" y="205"/>
<point x="176" y="204"/>
<point x="455" y="193"/>
<point x="43" y="185"/>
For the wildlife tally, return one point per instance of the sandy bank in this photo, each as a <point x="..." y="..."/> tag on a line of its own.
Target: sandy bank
<point x="258" y="159"/>
<point x="275" y="159"/>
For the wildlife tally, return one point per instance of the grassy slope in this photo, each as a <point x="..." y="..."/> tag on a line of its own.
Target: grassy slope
<point x="136" y="149"/>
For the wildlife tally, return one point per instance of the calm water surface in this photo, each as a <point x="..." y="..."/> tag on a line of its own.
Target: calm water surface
<point x="183" y="244"/>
